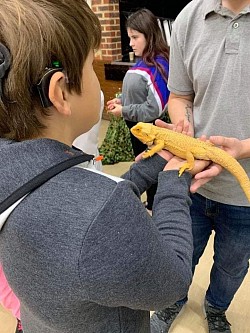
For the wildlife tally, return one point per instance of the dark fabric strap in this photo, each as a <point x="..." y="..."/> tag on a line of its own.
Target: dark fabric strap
<point x="42" y="178"/>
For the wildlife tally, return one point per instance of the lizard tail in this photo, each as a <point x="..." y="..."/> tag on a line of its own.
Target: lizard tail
<point x="245" y="185"/>
<point x="235" y="168"/>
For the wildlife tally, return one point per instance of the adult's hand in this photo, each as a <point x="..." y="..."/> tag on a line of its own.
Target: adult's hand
<point x="205" y="176"/>
<point x="176" y="163"/>
<point x="232" y="146"/>
<point x="180" y="127"/>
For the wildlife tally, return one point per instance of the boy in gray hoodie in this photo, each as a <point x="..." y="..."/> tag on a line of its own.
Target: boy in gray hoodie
<point x="76" y="258"/>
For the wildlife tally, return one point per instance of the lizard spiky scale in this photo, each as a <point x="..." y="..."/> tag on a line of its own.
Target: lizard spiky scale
<point x="189" y="149"/>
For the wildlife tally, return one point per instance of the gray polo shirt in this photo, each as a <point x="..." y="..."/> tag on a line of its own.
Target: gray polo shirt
<point x="210" y="57"/>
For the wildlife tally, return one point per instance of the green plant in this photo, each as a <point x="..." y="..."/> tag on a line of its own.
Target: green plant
<point x="116" y="146"/>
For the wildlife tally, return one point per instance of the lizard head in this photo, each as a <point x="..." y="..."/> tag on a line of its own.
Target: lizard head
<point x="143" y="132"/>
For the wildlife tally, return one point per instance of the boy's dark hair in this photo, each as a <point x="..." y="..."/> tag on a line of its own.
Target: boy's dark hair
<point x="145" y="22"/>
<point x="38" y="32"/>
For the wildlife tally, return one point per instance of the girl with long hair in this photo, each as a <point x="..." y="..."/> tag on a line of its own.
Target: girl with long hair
<point x="144" y="90"/>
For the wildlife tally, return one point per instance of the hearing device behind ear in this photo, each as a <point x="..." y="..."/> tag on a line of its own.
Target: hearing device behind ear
<point x="5" y="61"/>
<point x="43" y="86"/>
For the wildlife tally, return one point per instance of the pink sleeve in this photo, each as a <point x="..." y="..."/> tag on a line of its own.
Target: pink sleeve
<point x="7" y="297"/>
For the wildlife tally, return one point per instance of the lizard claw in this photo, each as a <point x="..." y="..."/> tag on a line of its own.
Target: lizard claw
<point x="185" y="166"/>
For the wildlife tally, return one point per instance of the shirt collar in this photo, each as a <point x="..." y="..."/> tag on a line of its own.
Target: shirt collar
<point x="215" y="6"/>
<point x="210" y="6"/>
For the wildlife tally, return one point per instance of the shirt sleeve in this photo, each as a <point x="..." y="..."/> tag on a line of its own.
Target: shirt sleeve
<point x="140" y="99"/>
<point x="179" y="82"/>
<point x="133" y="260"/>
<point x="145" y="172"/>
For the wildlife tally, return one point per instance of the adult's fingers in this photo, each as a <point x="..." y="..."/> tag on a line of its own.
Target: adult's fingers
<point x="205" y="176"/>
<point x="212" y="171"/>
<point x="161" y="123"/>
<point x="196" y="184"/>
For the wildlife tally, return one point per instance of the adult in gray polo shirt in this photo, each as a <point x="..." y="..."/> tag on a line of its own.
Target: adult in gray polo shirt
<point x="209" y="81"/>
<point x="80" y="251"/>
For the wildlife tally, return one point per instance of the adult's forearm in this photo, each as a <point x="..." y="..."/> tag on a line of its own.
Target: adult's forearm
<point x="180" y="108"/>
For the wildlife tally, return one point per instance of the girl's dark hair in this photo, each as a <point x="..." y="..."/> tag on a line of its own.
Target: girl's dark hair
<point x="36" y="32"/>
<point x="145" y="22"/>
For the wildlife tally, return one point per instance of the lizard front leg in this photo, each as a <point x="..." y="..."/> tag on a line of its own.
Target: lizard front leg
<point x="157" y="146"/>
<point x="189" y="164"/>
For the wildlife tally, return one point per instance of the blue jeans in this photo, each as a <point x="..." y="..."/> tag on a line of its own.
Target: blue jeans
<point x="231" y="246"/>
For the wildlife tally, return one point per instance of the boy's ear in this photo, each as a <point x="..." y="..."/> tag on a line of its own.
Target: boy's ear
<point x="58" y="93"/>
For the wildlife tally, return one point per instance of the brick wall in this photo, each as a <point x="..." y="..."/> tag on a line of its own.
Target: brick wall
<point x="110" y="48"/>
<point x="109" y="87"/>
<point x="108" y="14"/>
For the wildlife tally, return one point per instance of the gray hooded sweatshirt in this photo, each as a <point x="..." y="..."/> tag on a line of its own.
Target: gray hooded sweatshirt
<point x="82" y="253"/>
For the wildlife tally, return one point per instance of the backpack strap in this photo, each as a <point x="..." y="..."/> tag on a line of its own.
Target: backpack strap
<point x="9" y="204"/>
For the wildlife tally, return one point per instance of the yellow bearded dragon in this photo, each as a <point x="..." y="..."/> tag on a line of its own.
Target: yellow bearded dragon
<point x="189" y="148"/>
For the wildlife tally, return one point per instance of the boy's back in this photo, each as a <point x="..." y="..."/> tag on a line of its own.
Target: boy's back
<point x="86" y="268"/>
